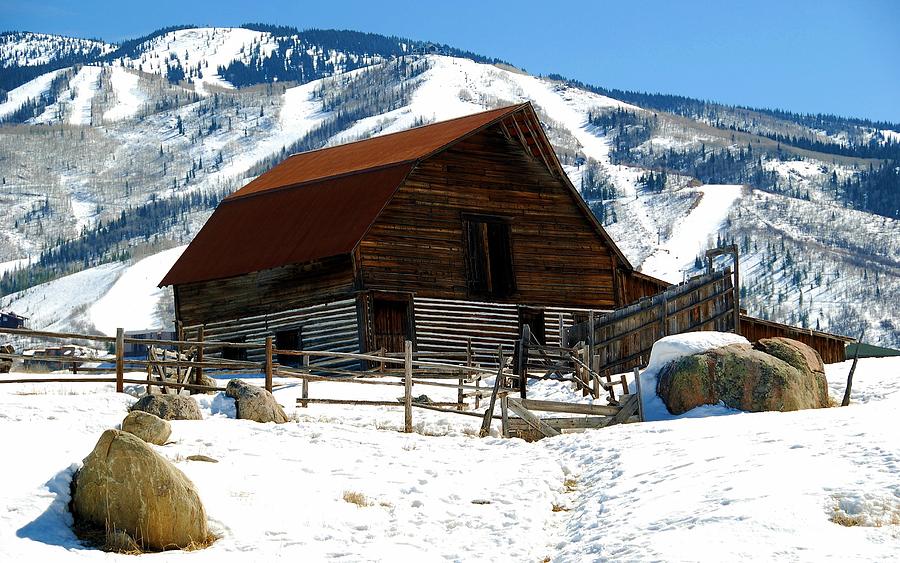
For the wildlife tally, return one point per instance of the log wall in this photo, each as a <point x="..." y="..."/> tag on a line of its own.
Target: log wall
<point x="418" y="242"/>
<point x="266" y="292"/>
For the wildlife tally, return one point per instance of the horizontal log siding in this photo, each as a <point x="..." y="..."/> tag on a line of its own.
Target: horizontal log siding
<point x="417" y="244"/>
<point x="444" y="325"/>
<point x="329" y="326"/>
<point x="269" y="291"/>
<point x="830" y="347"/>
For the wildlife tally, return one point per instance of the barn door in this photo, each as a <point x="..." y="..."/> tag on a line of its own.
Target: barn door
<point x="390" y="321"/>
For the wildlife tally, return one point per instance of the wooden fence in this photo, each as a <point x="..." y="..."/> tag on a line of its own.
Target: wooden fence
<point x="622" y="340"/>
<point x="186" y="359"/>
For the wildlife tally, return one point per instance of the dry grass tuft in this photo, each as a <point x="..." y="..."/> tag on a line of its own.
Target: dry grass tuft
<point x="570" y="484"/>
<point x="559" y="508"/>
<point x="356" y="498"/>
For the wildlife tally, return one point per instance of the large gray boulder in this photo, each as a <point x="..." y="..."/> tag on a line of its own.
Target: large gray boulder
<point x="169" y="407"/>
<point x="125" y="486"/>
<point x="148" y="427"/>
<point x="740" y="377"/>
<point x="803" y="357"/>
<point x="254" y="403"/>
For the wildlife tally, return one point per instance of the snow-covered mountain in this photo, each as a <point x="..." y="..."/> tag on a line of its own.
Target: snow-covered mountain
<point x="125" y="152"/>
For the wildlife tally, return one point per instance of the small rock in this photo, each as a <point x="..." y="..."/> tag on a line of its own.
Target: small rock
<point x="148" y="427"/>
<point x="200" y="457"/>
<point x="254" y="403"/>
<point x="169" y="407"/>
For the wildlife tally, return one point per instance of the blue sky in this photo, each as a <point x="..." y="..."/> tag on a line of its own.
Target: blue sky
<point x="806" y="56"/>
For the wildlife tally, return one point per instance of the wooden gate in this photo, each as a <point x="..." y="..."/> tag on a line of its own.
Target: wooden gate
<point x="623" y="339"/>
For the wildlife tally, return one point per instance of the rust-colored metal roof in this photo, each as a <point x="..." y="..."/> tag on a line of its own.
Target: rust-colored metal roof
<point x="320" y="203"/>
<point x="376" y="152"/>
<point x="283" y="227"/>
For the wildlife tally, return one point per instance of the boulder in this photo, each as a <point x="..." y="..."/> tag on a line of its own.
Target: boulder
<point x="125" y="486"/>
<point x="254" y="403"/>
<point x="169" y="407"/>
<point x="148" y="427"/>
<point x="205" y="380"/>
<point x="6" y="363"/>
<point x="741" y="378"/>
<point x="803" y="357"/>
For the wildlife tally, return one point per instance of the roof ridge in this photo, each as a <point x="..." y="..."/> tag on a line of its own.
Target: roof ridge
<point x="510" y="109"/>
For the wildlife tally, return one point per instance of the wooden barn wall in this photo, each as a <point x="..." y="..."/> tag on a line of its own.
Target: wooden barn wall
<point x="329" y="326"/>
<point x="830" y="347"/>
<point x="444" y="325"/>
<point x="418" y="244"/>
<point x="258" y="293"/>
<point x="635" y="287"/>
<point x="623" y="339"/>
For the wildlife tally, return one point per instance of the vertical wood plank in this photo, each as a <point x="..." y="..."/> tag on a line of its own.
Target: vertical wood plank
<point x="305" y="385"/>
<point x="407" y="386"/>
<point x="637" y="388"/>
<point x="504" y="416"/>
<point x="489" y="413"/>
<point x="269" y="364"/>
<point x="120" y="360"/>
<point x="198" y="371"/>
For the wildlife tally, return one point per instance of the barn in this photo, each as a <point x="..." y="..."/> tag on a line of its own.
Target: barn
<point x="452" y="235"/>
<point x="463" y="229"/>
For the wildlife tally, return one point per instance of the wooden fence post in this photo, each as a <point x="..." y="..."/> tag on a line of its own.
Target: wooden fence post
<point x="595" y="366"/>
<point x="504" y="416"/>
<point x="407" y="387"/>
<point x="198" y="371"/>
<point x="522" y="368"/>
<point x="460" y="396"/>
<point x="637" y="389"/>
<point x="489" y="413"/>
<point x="269" y="364"/>
<point x="305" y="385"/>
<point x="120" y="360"/>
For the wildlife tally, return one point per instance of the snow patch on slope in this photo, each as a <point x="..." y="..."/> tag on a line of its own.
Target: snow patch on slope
<point x="132" y="302"/>
<point x="32" y="89"/>
<point x="127" y="91"/>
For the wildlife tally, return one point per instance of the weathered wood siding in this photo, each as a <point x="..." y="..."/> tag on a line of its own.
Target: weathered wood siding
<point x="831" y="347"/>
<point x="623" y="339"/>
<point x="268" y="291"/>
<point x="328" y="326"/>
<point x="444" y="325"/>
<point x="418" y="243"/>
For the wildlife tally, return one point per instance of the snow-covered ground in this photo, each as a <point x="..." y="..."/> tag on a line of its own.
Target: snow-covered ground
<point x="744" y="487"/>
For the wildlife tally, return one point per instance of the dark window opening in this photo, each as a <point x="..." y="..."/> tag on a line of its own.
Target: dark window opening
<point x="489" y="256"/>
<point x="534" y="318"/>
<point x="289" y="340"/>
<point x="239" y="354"/>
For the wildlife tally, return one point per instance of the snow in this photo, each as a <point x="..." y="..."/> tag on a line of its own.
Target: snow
<point x="17" y="97"/>
<point x="693" y="232"/>
<point x="85" y="84"/>
<point x="747" y="487"/>
<point x="59" y="304"/>
<point x="669" y="349"/>
<point x="129" y="98"/>
<point x="209" y="47"/>
<point x="132" y="301"/>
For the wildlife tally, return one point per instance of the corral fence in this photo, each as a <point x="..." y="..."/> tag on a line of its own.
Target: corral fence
<point x="183" y="364"/>
<point x="622" y="340"/>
